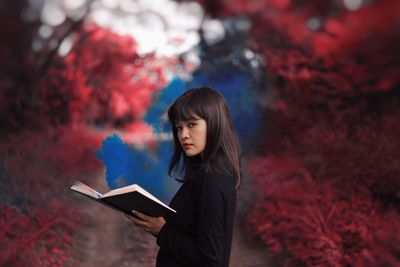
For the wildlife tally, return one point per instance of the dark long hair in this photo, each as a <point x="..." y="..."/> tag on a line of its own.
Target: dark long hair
<point x="221" y="141"/>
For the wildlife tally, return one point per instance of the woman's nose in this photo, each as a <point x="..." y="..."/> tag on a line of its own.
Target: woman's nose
<point x="184" y="133"/>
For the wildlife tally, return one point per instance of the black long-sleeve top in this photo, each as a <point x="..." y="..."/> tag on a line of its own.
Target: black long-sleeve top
<point x="200" y="233"/>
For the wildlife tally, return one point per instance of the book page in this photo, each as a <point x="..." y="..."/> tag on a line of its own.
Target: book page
<point x="84" y="189"/>
<point x="122" y="190"/>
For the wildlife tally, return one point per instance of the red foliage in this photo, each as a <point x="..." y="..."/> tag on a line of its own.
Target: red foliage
<point x="37" y="238"/>
<point x="329" y="178"/>
<point x="70" y="147"/>
<point x="37" y="219"/>
<point x="319" y="223"/>
<point x="48" y="136"/>
<point x="58" y="152"/>
<point x="102" y="81"/>
<point x="383" y="248"/>
<point x="338" y="103"/>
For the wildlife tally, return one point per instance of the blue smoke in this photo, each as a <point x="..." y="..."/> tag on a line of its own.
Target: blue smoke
<point x="162" y="101"/>
<point x="235" y="87"/>
<point x="126" y="165"/>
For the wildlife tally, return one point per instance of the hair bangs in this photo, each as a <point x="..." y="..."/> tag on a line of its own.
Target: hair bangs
<point x="184" y="110"/>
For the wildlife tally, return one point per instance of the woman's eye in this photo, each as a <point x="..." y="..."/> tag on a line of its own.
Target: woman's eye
<point x="192" y="124"/>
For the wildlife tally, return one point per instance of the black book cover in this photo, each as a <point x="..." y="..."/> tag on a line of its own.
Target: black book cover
<point x="136" y="201"/>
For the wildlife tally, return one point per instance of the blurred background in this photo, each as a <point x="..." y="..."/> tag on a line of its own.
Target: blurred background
<point x="313" y="88"/>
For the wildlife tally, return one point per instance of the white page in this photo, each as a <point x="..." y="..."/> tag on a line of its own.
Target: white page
<point x="84" y="189"/>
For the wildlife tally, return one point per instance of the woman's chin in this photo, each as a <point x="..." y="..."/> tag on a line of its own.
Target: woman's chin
<point x="190" y="154"/>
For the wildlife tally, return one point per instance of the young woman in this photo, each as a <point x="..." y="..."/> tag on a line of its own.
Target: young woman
<point x="207" y="152"/>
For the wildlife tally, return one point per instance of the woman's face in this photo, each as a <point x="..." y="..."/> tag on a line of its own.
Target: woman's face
<point x="192" y="135"/>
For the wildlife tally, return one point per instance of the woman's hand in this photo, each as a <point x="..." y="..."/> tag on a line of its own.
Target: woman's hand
<point x="151" y="225"/>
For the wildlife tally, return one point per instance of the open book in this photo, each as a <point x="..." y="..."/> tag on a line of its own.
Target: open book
<point x="126" y="199"/>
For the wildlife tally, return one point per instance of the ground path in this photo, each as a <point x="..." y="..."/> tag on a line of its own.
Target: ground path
<point x="108" y="239"/>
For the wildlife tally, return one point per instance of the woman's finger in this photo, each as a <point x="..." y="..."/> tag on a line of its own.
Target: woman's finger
<point x="142" y="216"/>
<point x="136" y="221"/>
<point x="130" y="217"/>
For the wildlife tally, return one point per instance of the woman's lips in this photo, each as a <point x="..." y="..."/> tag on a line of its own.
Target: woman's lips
<point x="187" y="145"/>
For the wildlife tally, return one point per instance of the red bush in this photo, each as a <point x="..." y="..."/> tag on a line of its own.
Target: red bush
<point x="37" y="238"/>
<point x="102" y="81"/>
<point x="38" y="222"/>
<point x="319" y="223"/>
